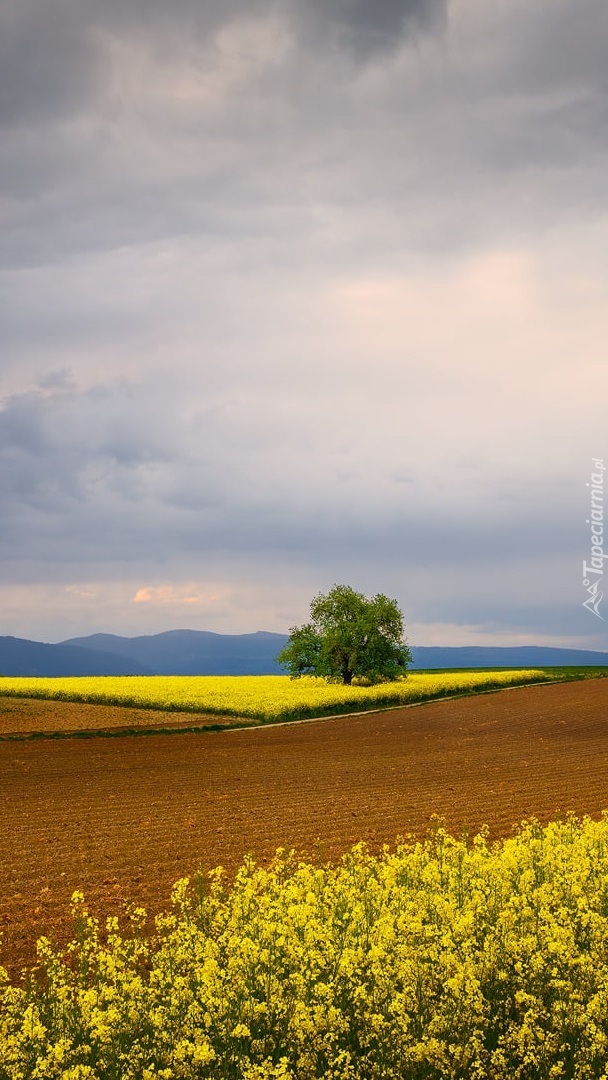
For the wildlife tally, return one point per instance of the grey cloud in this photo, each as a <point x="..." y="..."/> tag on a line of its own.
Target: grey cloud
<point x="251" y="226"/>
<point x="558" y="49"/>
<point x="308" y="160"/>
<point x="61" y="379"/>
<point x="384" y="16"/>
<point x="49" y="64"/>
<point x="365" y="29"/>
<point x="58" y="444"/>
<point x="121" y="467"/>
<point x="53" y="59"/>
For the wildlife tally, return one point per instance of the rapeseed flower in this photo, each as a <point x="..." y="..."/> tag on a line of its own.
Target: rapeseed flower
<point x="446" y="959"/>
<point x="261" y="697"/>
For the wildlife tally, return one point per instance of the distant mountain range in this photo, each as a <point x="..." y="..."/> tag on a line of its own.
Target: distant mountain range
<point x="20" y="657"/>
<point x="199" y="652"/>
<point x="192" y="652"/>
<point x="494" y="656"/>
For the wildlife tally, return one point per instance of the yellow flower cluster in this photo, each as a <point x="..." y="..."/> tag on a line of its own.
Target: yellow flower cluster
<point x="444" y="959"/>
<point x="263" y="697"/>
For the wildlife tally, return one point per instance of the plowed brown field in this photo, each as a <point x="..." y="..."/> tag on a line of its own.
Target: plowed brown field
<point x="123" y="818"/>
<point x="28" y="716"/>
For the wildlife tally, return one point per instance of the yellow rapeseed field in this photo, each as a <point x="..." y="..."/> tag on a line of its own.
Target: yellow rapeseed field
<point x="263" y="697"/>
<point x="437" y="961"/>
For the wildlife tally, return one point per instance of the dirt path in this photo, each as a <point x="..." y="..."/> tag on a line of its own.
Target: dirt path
<point x="123" y="818"/>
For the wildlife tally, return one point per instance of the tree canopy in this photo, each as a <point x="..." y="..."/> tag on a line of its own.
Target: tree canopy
<point x="348" y="636"/>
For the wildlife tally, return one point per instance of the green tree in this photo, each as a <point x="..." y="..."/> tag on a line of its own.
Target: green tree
<point x="348" y="636"/>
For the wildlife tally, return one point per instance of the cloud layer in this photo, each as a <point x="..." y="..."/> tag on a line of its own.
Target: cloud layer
<point x="295" y="294"/>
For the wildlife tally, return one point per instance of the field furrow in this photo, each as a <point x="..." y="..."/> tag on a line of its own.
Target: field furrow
<point x="125" y="817"/>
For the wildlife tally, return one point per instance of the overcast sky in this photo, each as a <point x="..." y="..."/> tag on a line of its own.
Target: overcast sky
<point x="295" y="293"/>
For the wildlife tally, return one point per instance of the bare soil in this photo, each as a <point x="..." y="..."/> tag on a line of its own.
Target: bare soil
<point x="122" y="818"/>
<point x="22" y="717"/>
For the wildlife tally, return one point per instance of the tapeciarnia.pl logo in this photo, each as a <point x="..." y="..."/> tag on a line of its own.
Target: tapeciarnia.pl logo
<point x="593" y="571"/>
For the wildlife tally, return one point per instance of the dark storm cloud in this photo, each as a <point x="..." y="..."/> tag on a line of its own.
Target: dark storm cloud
<point x="365" y="28"/>
<point x="386" y="17"/>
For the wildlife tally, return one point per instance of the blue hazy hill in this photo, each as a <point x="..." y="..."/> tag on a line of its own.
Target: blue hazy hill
<point x="194" y="652"/>
<point x="20" y="657"/>
<point x="200" y="652"/>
